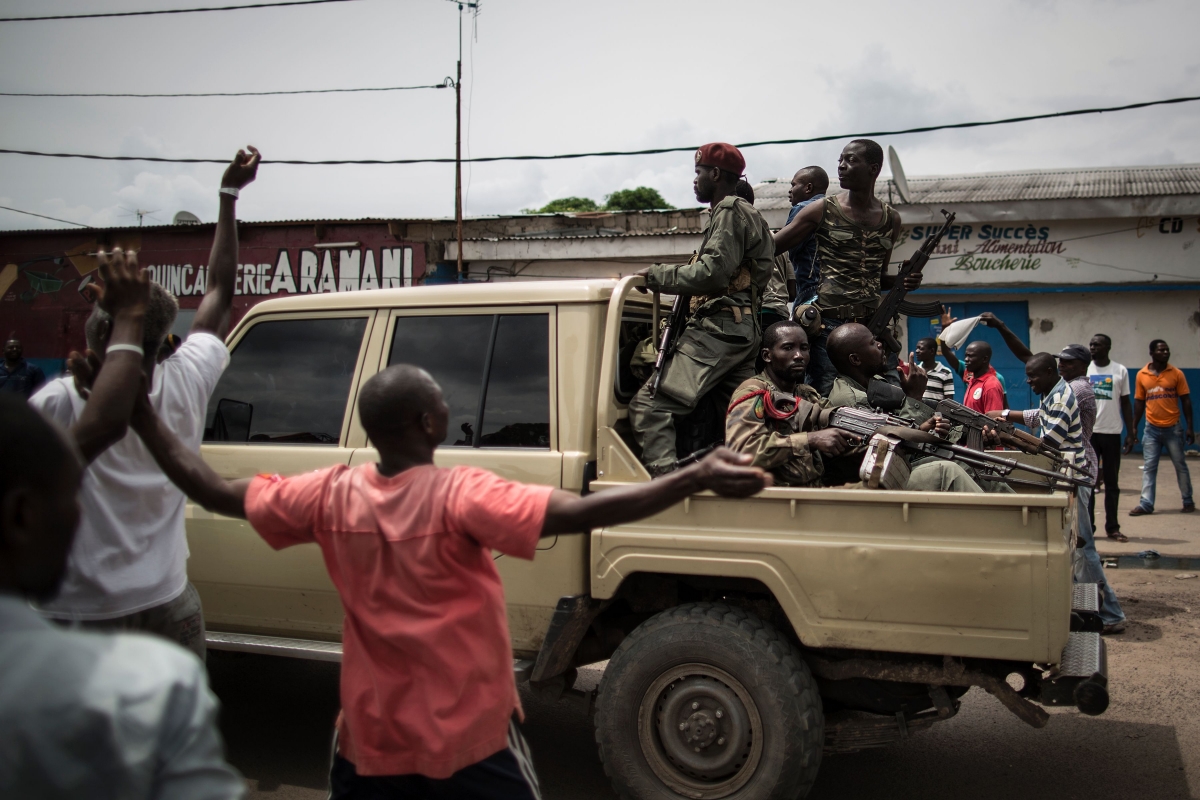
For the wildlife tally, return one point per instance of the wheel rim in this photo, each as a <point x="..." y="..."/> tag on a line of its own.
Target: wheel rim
<point x="700" y="731"/>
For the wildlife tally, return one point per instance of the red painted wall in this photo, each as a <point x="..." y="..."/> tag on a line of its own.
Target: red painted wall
<point x="43" y="271"/>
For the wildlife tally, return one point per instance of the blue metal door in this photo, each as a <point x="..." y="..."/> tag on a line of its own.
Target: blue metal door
<point x="1016" y="316"/>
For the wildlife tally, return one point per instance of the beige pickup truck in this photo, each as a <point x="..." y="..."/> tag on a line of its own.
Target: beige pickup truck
<point x="744" y="638"/>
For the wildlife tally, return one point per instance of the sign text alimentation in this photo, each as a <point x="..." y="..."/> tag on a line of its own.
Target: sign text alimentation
<point x="314" y="272"/>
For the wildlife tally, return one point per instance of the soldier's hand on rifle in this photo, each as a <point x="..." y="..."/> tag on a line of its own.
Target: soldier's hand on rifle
<point x="832" y="441"/>
<point x="990" y="436"/>
<point x="729" y="474"/>
<point x="938" y="425"/>
<point x="912" y="281"/>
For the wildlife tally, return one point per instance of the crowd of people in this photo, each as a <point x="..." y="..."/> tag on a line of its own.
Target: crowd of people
<point x="103" y="640"/>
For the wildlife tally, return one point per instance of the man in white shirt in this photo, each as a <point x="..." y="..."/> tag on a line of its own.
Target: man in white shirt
<point x="1110" y="384"/>
<point x="128" y="567"/>
<point x="87" y="715"/>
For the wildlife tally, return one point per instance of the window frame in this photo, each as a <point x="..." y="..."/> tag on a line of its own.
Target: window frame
<point x="352" y="396"/>
<point x="494" y="312"/>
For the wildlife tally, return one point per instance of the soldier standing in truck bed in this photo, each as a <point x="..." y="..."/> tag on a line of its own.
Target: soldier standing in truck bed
<point x="855" y="235"/>
<point x="726" y="281"/>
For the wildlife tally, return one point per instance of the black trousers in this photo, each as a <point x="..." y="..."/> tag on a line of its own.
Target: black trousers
<point x="1108" y="450"/>
<point x="506" y="775"/>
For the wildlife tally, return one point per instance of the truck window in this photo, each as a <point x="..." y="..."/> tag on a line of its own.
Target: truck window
<point x="287" y="383"/>
<point x="453" y="349"/>
<point x="516" y="412"/>
<point x="507" y="407"/>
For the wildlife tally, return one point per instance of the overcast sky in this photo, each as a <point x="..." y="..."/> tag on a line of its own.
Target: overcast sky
<point x="555" y="77"/>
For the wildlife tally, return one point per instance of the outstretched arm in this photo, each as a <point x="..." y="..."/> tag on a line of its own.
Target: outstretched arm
<point x="1016" y="345"/>
<point x="105" y="418"/>
<point x="186" y="468"/>
<point x="725" y="472"/>
<point x="213" y="314"/>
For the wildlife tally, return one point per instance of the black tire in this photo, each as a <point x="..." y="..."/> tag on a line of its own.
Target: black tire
<point x="703" y="658"/>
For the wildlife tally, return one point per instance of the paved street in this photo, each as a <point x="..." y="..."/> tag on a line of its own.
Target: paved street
<point x="278" y="713"/>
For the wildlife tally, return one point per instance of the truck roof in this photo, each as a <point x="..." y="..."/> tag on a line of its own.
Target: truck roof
<point x="590" y="290"/>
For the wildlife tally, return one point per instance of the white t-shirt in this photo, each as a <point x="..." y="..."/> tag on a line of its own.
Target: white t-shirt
<point x="1109" y="383"/>
<point x="130" y="551"/>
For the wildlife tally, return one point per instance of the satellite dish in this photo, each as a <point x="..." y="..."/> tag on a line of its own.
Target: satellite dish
<point x="188" y="218"/>
<point x="898" y="179"/>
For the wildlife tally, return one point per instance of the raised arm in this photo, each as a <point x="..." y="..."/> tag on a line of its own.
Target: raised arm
<point x="186" y="468"/>
<point x="802" y="226"/>
<point x="725" y="472"/>
<point x="214" y="312"/>
<point x="105" y="418"/>
<point x="1017" y="347"/>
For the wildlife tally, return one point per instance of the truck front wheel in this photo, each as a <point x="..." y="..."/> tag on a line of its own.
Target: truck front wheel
<point x="708" y="701"/>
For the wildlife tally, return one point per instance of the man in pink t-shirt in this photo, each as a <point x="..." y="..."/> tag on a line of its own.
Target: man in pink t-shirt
<point x="428" y="697"/>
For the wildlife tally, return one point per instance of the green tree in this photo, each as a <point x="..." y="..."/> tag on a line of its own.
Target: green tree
<point x="643" y="198"/>
<point x="564" y="204"/>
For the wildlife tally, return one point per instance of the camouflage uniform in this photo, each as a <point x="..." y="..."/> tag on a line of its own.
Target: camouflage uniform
<point x="717" y="348"/>
<point x="852" y="259"/>
<point x="929" y="474"/>
<point x="779" y="446"/>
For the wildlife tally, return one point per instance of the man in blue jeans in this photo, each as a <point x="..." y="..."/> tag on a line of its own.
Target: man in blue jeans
<point x="1160" y="391"/>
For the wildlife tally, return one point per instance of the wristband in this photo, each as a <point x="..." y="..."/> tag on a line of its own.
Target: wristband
<point x="1005" y="414"/>
<point x="132" y="348"/>
<point x="229" y="190"/>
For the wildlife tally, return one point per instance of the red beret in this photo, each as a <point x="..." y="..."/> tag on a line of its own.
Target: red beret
<point x="720" y="154"/>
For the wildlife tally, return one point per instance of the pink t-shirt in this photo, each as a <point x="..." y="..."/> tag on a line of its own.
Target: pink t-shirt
<point x="427" y="684"/>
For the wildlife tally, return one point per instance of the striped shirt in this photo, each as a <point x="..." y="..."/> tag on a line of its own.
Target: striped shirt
<point x="941" y="383"/>
<point x="1060" y="421"/>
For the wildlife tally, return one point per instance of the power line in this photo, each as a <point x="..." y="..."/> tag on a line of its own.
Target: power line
<point x="446" y="84"/>
<point x="171" y="11"/>
<point x="43" y="216"/>
<point x="609" y="153"/>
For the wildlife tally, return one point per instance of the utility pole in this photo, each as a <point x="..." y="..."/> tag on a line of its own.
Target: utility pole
<point x="458" y="209"/>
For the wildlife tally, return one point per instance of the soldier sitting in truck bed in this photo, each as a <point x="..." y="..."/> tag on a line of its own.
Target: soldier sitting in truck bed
<point x="858" y="357"/>
<point x="784" y="435"/>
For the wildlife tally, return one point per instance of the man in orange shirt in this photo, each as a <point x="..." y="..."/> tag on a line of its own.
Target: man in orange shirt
<point x="428" y="697"/>
<point x="1161" y="389"/>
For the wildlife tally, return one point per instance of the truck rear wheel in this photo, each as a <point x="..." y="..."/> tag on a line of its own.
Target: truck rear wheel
<point x="708" y="701"/>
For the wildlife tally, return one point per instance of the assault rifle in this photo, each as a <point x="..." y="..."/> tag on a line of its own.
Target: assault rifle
<point x="973" y="424"/>
<point x="670" y="335"/>
<point x="890" y="306"/>
<point x="883" y="466"/>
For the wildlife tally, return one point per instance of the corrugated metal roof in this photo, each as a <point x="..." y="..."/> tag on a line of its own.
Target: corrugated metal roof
<point x="1043" y="184"/>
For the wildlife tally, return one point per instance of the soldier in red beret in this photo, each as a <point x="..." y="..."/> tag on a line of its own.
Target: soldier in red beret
<point x="725" y="284"/>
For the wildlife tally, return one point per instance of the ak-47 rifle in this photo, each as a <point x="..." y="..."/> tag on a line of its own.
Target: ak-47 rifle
<point x="888" y="309"/>
<point x="670" y="335"/>
<point x="674" y="326"/>
<point x="886" y="433"/>
<point x="973" y="424"/>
